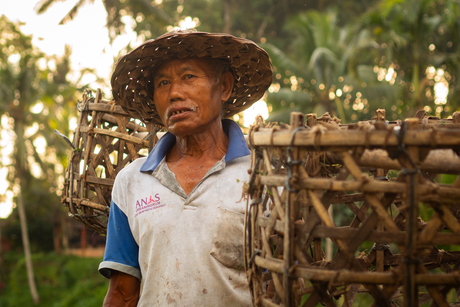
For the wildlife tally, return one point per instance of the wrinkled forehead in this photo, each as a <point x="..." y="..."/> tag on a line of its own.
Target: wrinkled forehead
<point x="178" y="65"/>
<point x="215" y="67"/>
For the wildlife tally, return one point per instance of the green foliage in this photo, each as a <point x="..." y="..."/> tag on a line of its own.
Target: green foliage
<point x="326" y="67"/>
<point x="62" y="281"/>
<point x="338" y="45"/>
<point x="415" y="35"/>
<point x="30" y="79"/>
<point x="256" y="19"/>
<point x="39" y="213"/>
<point x="347" y="69"/>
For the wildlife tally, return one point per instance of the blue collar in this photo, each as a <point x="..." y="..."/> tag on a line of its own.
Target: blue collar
<point x="237" y="146"/>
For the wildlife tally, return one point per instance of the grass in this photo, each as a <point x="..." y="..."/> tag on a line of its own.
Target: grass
<point x="62" y="280"/>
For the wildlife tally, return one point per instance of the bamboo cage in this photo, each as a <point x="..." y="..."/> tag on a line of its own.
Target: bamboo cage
<point x="105" y="141"/>
<point x="396" y="216"/>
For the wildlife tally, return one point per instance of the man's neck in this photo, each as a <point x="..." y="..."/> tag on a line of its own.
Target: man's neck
<point x="210" y="144"/>
<point x="194" y="155"/>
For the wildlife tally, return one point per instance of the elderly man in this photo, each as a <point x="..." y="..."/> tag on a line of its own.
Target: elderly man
<point x="176" y="224"/>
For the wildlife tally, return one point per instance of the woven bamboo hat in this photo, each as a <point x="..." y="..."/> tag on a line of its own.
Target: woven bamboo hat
<point x="250" y="65"/>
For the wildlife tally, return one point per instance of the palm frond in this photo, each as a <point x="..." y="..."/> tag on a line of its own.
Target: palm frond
<point x="155" y="10"/>
<point x="323" y="55"/>
<point x="280" y="59"/>
<point x="284" y="97"/>
<point x="44" y="5"/>
<point x="73" y="11"/>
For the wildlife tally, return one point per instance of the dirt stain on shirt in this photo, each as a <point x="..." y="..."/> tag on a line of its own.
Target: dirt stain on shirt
<point x="178" y="265"/>
<point x="169" y="299"/>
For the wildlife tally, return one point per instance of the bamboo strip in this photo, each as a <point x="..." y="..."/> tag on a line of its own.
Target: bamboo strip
<point x="324" y="216"/>
<point x="445" y="192"/>
<point x="118" y="135"/>
<point x="347" y="277"/>
<point x="304" y="239"/>
<point x="381" y="212"/>
<point x="435" y="259"/>
<point x="129" y="125"/>
<point x="88" y="203"/>
<point x="343" y="198"/>
<point x="253" y="235"/>
<point x="105" y="106"/>
<point x="357" y="211"/>
<point x="89" y="146"/>
<point x="363" y="209"/>
<point x="274" y="190"/>
<point x="355" y="138"/>
<point x="336" y="185"/>
<point x="267" y="303"/>
<point x="437" y="296"/>
<point x="352" y="167"/>
<point x="276" y="281"/>
<point x="97" y="187"/>
<point x="443" y="161"/>
<point x="100" y="181"/>
<point x="290" y="217"/>
<point x="429" y="232"/>
<point x="448" y="218"/>
<point x="103" y="153"/>
<point x="374" y="235"/>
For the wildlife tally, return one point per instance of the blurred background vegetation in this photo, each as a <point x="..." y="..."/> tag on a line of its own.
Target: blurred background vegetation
<point x="346" y="57"/>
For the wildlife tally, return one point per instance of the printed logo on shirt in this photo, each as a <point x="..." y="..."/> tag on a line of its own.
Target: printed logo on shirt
<point x="147" y="204"/>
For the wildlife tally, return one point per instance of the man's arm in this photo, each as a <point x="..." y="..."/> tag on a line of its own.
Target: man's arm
<point x="123" y="290"/>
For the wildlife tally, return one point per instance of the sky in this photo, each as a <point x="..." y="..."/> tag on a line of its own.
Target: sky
<point x="87" y="35"/>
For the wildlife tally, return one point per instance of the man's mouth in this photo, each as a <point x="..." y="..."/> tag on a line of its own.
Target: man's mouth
<point x="178" y="112"/>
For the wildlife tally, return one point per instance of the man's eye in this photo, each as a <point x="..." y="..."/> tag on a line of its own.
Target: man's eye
<point x="189" y="76"/>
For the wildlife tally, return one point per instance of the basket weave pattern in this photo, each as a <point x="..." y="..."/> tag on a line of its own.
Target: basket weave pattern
<point x="106" y="140"/>
<point x="382" y="174"/>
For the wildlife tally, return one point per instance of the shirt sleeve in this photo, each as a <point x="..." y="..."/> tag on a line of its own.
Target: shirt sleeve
<point x="121" y="250"/>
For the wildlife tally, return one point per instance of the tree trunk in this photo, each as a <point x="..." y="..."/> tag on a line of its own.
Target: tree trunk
<point x="83" y="240"/>
<point x="227" y="16"/>
<point x="1" y="251"/>
<point x="65" y="234"/>
<point x="20" y="164"/>
<point x="25" y="242"/>
<point x="263" y="25"/>
<point x="57" y="232"/>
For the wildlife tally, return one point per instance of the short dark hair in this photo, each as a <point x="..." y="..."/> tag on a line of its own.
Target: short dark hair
<point x="219" y="67"/>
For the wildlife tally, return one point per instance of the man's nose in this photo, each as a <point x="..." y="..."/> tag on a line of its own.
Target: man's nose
<point x="176" y="91"/>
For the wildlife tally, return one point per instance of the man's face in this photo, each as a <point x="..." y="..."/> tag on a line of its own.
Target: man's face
<point x="188" y="97"/>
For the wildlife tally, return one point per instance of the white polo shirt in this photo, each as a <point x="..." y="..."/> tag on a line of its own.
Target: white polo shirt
<point x="187" y="250"/>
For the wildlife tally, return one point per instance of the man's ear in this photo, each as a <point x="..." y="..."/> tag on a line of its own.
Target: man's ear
<point x="226" y="82"/>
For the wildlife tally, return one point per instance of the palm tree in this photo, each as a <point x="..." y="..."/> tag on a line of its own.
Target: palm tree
<point x="416" y="35"/>
<point x="24" y="86"/>
<point x="328" y="68"/>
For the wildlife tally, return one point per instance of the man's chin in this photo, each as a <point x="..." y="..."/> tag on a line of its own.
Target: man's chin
<point x="182" y="129"/>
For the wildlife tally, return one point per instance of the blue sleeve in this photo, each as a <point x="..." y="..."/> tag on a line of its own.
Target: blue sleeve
<point x="121" y="250"/>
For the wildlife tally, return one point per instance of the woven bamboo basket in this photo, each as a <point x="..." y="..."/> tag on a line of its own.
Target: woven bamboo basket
<point x="105" y="141"/>
<point x="395" y="217"/>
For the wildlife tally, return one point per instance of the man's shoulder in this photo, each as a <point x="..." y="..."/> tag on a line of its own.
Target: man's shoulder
<point x="242" y="161"/>
<point x="132" y="169"/>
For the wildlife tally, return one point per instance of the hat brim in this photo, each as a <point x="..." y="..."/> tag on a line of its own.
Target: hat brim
<point x="251" y="66"/>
